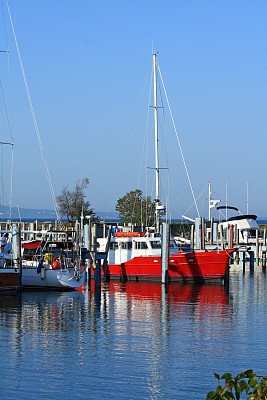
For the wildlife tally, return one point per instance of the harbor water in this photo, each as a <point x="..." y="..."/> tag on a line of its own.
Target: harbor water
<point x="132" y="340"/>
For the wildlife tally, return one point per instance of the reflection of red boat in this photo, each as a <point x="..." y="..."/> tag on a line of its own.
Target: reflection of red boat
<point x="206" y="266"/>
<point x="206" y="296"/>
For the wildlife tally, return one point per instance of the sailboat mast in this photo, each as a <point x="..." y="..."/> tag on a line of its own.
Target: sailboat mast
<point x="156" y="140"/>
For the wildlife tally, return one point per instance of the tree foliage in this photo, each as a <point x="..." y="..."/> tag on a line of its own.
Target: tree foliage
<point x="254" y="386"/>
<point x="136" y="208"/>
<point x="72" y="202"/>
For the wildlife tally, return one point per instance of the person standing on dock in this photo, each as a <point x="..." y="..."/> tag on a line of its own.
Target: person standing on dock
<point x="4" y="241"/>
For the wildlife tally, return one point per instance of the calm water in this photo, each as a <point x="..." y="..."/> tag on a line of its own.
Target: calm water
<point x="132" y="341"/>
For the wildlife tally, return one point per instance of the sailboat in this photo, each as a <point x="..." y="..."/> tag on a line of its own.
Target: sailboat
<point x="51" y="264"/>
<point x="136" y="256"/>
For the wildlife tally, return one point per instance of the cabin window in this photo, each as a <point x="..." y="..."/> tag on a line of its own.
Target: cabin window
<point x="155" y="245"/>
<point x="113" y="245"/>
<point x="141" y="245"/>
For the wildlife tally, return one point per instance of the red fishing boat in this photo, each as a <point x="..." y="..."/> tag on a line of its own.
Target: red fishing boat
<point x="136" y="256"/>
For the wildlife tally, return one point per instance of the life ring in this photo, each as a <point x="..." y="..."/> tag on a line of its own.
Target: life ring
<point x="57" y="262"/>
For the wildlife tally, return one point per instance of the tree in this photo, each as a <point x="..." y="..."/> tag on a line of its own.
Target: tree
<point x="72" y="202"/>
<point x="136" y="208"/>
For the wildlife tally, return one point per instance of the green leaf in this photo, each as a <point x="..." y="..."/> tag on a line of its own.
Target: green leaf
<point x="226" y="376"/>
<point x="217" y="376"/>
<point x="219" y="389"/>
<point x="211" y="396"/>
<point x="241" y="385"/>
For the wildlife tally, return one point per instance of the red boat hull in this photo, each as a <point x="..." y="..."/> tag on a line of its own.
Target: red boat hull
<point x="183" y="267"/>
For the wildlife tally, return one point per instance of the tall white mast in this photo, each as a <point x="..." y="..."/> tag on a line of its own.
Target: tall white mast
<point x="209" y="201"/>
<point x="156" y="140"/>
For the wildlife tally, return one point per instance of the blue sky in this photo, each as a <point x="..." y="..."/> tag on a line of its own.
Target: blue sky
<point x="86" y="65"/>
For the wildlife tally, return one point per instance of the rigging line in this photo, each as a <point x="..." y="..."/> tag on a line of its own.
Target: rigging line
<point x="126" y="146"/>
<point x="147" y="141"/>
<point x="140" y="168"/>
<point x="168" y="165"/>
<point x="142" y="157"/>
<point x="35" y="121"/>
<point x="179" y="143"/>
<point x="9" y="127"/>
<point x="205" y="188"/>
<point x="9" y="75"/>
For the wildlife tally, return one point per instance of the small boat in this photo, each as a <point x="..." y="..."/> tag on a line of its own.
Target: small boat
<point x="137" y="256"/>
<point x="51" y="265"/>
<point x="47" y="265"/>
<point x="246" y="224"/>
<point x="9" y="275"/>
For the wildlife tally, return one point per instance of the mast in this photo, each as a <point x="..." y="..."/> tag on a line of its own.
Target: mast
<point x="209" y="201"/>
<point x="156" y="140"/>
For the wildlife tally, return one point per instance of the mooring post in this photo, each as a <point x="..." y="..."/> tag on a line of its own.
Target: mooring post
<point x="203" y="233"/>
<point x="192" y="238"/>
<point x="16" y="246"/>
<point x="215" y="232"/>
<point x="251" y="260"/>
<point x="211" y="230"/>
<point x="242" y="257"/>
<point x="197" y="229"/>
<point x="88" y="261"/>
<point x="231" y="236"/>
<point x="257" y="247"/>
<point x="165" y="245"/>
<point x="221" y="236"/>
<point x="96" y="263"/>
<point x="237" y="257"/>
<point x="31" y="228"/>
<point x="105" y="262"/>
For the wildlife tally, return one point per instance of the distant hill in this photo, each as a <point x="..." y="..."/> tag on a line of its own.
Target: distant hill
<point x="43" y="214"/>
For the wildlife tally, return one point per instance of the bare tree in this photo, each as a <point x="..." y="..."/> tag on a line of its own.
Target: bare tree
<point x="72" y="203"/>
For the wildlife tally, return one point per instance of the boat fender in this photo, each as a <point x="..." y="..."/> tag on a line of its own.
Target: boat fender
<point x="55" y="265"/>
<point x="42" y="275"/>
<point x="58" y="262"/>
<point x="39" y="266"/>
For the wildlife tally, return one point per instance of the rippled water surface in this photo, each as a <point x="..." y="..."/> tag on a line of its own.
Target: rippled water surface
<point x="133" y="340"/>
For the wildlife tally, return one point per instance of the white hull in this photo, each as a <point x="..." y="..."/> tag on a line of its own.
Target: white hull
<point x="51" y="278"/>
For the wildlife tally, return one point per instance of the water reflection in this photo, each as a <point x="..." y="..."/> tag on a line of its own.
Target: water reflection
<point x="135" y="337"/>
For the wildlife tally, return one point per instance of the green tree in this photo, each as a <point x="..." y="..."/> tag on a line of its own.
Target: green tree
<point x="136" y="208"/>
<point x="71" y="203"/>
<point x="254" y="386"/>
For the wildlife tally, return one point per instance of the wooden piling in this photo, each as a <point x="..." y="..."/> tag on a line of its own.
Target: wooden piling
<point x="203" y="233"/>
<point x="257" y="247"/>
<point x="211" y="230"/>
<point x="105" y="262"/>
<point x="165" y="245"/>
<point x="16" y="247"/>
<point x="192" y="238"/>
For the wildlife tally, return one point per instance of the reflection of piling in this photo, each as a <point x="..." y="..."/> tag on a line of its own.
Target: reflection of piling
<point x="264" y="260"/>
